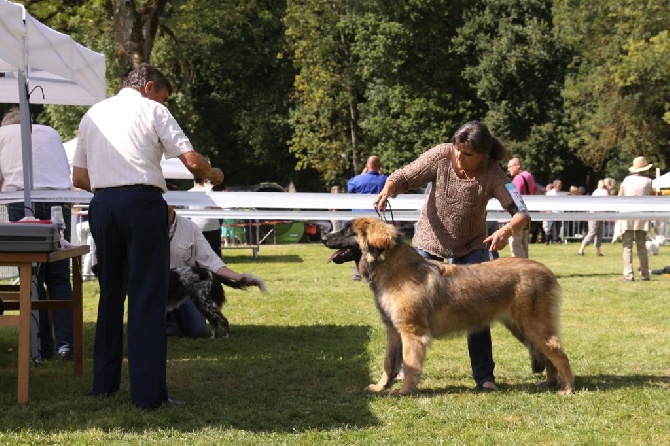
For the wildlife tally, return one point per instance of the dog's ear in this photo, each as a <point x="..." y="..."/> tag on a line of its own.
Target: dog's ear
<point x="380" y="236"/>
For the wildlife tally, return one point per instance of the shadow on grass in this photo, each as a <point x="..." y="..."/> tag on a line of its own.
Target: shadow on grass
<point x="577" y="275"/>
<point x="277" y="379"/>
<point x="596" y="383"/>
<point x="263" y="258"/>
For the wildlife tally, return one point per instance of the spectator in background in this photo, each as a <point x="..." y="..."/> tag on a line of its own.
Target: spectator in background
<point x="51" y="171"/>
<point x="596" y="228"/>
<point x="210" y="227"/>
<point x="610" y="185"/>
<point x="636" y="184"/>
<point x="553" y="231"/>
<point x="370" y="181"/>
<point x="336" y="224"/>
<point x="525" y="184"/>
<point x="545" y="223"/>
<point x="578" y="227"/>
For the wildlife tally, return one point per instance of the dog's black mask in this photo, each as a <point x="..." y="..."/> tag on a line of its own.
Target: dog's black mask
<point x="346" y="243"/>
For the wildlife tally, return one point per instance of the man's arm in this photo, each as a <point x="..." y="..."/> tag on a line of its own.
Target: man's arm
<point x="200" y="167"/>
<point x="80" y="178"/>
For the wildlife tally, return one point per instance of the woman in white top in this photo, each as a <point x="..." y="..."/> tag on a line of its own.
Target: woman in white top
<point x="596" y="228"/>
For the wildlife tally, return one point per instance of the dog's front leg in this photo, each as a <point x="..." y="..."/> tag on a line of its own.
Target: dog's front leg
<point x="413" y="354"/>
<point x="392" y="361"/>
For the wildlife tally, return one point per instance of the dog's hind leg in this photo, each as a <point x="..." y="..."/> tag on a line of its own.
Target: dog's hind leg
<point x="557" y="361"/>
<point x="392" y="361"/>
<point x="217" y="321"/>
<point x="537" y="360"/>
<point x="219" y="325"/>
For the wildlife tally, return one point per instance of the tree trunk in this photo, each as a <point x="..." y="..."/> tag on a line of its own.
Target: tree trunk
<point x="135" y="32"/>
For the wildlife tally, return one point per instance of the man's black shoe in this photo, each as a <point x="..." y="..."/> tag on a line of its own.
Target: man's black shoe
<point x="167" y="403"/>
<point x="100" y="395"/>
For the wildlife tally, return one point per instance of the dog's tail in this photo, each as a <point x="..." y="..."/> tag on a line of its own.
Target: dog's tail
<point x="245" y="282"/>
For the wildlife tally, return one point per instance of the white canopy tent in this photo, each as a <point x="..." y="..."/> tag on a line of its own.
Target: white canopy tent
<point x="41" y="65"/>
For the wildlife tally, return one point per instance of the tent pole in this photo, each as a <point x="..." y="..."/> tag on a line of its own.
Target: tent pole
<point x="26" y="142"/>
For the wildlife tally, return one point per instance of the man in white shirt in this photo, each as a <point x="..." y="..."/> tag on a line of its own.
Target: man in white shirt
<point x="51" y="171"/>
<point x="188" y="247"/>
<point x="119" y="148"/>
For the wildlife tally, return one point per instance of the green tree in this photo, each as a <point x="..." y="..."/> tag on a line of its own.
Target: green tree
<point x="327" y="91"/>
<point x="373" y="77"/>
<point x="617" y="91"/>
<point x="233" y="80"/>
<point x="415" y="95"/>
<point x="230" y="76"/>
<point x="516" y="64"/>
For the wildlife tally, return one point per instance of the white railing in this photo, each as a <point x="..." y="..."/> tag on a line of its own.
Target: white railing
<point x="325" y="206"/>
<point x="283" y="206"/>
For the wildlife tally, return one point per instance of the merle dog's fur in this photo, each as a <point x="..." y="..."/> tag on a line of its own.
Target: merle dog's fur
<point x="205" y="289"/>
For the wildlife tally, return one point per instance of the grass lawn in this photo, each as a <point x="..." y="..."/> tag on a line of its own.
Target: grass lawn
<point x="298" y="359"/>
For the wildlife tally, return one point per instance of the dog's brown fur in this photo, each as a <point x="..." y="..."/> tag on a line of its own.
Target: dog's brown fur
<point x="419" y="300"/>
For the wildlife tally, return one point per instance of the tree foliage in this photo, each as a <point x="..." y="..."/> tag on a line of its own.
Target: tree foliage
<point x="516" y="64"/>
<point x="305" y="90"/>
<point x="617" y="91"/>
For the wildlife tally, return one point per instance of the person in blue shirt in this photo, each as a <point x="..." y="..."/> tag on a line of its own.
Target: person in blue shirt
<point x="370" y="181"/>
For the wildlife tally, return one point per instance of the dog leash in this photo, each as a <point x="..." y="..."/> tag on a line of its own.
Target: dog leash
<point x="382" y="214"/>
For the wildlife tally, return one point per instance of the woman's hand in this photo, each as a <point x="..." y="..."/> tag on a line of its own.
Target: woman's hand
<point x="498" y="239"/>
<point x="384" y="195"/>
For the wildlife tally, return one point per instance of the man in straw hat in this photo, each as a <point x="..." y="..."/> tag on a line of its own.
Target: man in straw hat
<point x="636" y="184"/>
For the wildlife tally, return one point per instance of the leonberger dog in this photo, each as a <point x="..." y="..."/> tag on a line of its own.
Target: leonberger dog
<point x="421" y="299"/>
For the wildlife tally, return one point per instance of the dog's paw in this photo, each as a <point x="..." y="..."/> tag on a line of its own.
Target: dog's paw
<point x="251" y="280"/>
<point x="399" y="392"/>
<point x="547" y="384"/>
<point x="405" y="390"/>
<point x="375" y="388"/>
<point x="566" y="391"/>
<point x="220" y="333"/>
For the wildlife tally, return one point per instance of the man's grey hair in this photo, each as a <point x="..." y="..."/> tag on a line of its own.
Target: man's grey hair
<point x="144" y="73"/>
<point x="13" y="116"/>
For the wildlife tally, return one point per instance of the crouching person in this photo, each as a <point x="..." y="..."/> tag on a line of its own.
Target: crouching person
<point x="188" y="247"/>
